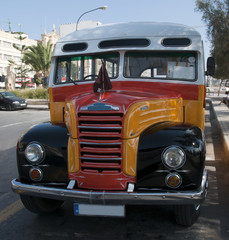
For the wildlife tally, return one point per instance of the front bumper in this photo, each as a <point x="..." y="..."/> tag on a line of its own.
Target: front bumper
<point x="20" y="105"/>
<point x="150" y="197"/>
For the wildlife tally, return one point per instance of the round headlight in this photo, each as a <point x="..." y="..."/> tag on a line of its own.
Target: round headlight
<point x="34" y="153"/>
<point x="173" y="157"/>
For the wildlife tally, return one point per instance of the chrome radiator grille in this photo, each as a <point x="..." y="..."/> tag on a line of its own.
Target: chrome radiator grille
<point x="100" y="144"/>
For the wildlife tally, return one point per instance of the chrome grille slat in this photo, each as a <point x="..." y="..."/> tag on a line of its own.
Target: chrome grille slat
<point x="92" y="143"/>
<point x="96" y="127"/>
<point x="105" y="159"/>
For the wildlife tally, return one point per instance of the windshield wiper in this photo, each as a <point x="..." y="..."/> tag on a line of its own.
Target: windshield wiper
<point x="74" y="82"/>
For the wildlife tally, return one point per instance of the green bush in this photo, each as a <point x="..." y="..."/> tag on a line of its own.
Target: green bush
<point x="39" y="93"/>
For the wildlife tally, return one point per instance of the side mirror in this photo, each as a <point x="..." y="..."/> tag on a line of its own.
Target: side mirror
<point x="210" y="66"/>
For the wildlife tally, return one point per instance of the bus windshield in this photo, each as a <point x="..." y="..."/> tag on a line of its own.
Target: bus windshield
<point x="85" y="68"/>
<point x="161" y="65"/>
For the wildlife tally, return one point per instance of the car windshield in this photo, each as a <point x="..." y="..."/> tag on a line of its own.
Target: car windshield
<point x="160" y="65"/>
<point x="84" y="68"/>
<point x="8" y="94"/>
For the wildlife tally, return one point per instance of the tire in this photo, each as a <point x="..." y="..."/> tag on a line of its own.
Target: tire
<point x="9" y="107"/>
<point x="186" y="215"/>
<point x="39" y="205"/>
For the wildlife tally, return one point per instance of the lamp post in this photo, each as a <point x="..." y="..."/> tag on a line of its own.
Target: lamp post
<point x="77" y="23"/>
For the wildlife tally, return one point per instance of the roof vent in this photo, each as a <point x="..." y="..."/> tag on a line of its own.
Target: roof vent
<point x="133" y="42"/>
<point x="74" y="47"/>
<point x="176" y="42"/>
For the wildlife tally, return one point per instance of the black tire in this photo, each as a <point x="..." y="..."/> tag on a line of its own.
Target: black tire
<point x="186" y="215"/>
<point x="39" y="205"/>
<point x="9" y="107"/>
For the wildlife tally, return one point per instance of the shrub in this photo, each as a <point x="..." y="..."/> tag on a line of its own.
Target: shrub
<point x="39" y="93"/>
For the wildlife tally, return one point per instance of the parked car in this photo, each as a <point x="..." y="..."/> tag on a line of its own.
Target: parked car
<point x="10" y="101"/>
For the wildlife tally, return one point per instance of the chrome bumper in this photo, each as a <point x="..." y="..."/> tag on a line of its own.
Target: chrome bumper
<point x="150" y="197"/>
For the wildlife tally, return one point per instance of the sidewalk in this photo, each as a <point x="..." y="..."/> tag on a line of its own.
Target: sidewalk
<point x="38" y="107"/>
<point x="37" y="104"/>
<point x="221" y="113"/>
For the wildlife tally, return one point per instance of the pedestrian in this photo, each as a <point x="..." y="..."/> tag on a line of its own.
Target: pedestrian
<point x="225" y="100"/>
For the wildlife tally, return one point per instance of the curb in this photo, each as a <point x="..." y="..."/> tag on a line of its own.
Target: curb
<point x="37" y="107"/>
<point x="221" y="127"/>
<point x="37" y="101"/>
<point x="37" y="104"/>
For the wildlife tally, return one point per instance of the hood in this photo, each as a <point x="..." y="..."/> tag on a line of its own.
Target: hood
<point x="121" y="100"/>
<point x="139" y="110"/>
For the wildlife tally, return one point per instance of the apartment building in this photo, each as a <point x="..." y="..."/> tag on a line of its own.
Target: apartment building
<point x="8" y="52"/>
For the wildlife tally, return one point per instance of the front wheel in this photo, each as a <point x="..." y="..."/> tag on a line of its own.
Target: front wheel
<point x="186" y="215"/>
<point x="39" y="205"/>
<point x="9" y="107"/>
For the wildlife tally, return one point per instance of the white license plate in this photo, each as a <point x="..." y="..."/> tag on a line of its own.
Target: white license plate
<point x="99" y="210"/>
<point x="23" y="104"/>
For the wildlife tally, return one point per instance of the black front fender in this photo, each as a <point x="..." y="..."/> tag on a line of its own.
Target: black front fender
<point x="54" y="140"/>
<point x="151" y="172"/>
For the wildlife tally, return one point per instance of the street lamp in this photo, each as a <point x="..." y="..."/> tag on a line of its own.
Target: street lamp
<point x="102" y="8"/>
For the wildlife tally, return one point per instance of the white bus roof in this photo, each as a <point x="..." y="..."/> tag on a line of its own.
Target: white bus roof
<point x="149" y="30"/>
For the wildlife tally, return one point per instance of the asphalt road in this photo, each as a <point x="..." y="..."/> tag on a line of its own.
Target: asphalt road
<point x="141" y="222"/>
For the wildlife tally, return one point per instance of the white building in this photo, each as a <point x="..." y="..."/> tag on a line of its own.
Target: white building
<point x="8" y="52"/>
<point x="71" y="27"/>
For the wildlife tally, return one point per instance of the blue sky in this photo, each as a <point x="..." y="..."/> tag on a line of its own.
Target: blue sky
<point x="35" y="16"/>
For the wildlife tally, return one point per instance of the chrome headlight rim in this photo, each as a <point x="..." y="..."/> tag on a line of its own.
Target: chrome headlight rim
<point x="34" y="153"/>
<point x="182" y="153"/>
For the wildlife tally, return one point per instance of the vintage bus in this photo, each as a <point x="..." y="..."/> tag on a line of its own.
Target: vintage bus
<point x="126" y="123"/>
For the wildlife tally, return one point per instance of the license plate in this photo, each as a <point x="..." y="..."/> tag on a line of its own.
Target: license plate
<point x="23" y="104"/>
<point x="99" y="210"/>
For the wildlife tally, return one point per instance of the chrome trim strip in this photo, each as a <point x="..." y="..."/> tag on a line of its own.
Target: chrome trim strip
<point x="115" y="197"/>
<point x="168" y="171"/>
<point x="31" y="165"/>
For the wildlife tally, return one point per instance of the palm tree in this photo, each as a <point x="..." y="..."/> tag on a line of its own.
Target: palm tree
<point x="39" y="58"/>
